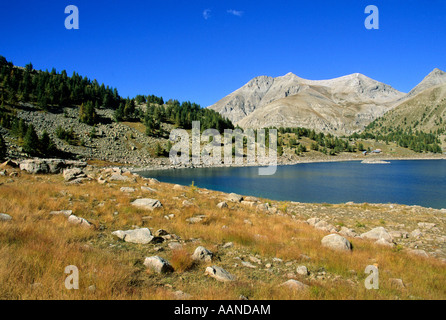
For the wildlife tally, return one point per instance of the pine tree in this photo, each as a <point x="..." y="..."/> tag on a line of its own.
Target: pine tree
<point x="87" y="113"/>
<point x="31" y="141"/>
<point x="46" y="145"/>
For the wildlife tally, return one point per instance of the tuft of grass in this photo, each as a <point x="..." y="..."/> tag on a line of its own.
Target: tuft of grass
<point x="181" y="260"/>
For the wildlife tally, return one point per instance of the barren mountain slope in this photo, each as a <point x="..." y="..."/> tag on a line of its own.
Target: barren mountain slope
<point x="340" y="105"/>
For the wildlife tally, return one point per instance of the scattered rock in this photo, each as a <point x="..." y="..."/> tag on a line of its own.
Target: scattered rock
<point x="234" y="197"/>
<point x="302" y="270"/>
<point x="336" y="242"/>
<point x="66" y="213"/>
<point x="313" y="221"/>
<point x="376" y="234"/>
<point x="222" y="205"/>
<point x="348" y="232"/>
<point x="228" y="245"/>
<point x="187" y="203"/>
<point x="248" y="265"/>
<point x="5" y="217"/>
<point x="219" y="274"/>
<point x="148" y="204"/>
<point x="79" y="221"/>
<point x="178" y="187"/>
<point x="324" y="226"/>
<point x="196" y="219"/>
<point x="202" y="254"/>
<point x="73" y="174"/>
<point x="139" y="236"/>
<point x="295" y="285"/>
<point x="255" y="260"/>
<point x="127" y="189"/>
<point x="158" y="264"/>
<point x="53" y="166"/>
<point x="119" y="177"/>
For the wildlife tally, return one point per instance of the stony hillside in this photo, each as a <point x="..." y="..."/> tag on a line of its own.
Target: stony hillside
<point x="338" y="106"/>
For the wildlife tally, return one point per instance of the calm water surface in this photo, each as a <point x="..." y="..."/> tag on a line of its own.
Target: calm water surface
<point x="411" y="182"/>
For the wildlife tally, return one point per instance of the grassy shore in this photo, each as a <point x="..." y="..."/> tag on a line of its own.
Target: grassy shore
<point x="35" y="247"/>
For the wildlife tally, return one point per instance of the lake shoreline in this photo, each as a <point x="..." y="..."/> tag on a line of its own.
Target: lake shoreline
<point x="370" y="160"/>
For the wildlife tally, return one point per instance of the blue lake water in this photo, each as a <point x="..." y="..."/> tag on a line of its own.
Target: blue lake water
<point x="411" y="182"/>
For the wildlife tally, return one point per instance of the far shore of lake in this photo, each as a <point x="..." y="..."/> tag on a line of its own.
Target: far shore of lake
<point x="370" y="159"/>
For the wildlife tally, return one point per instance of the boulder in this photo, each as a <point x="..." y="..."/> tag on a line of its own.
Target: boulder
<point x="336" y="242"/>
<point x="222" y="205"/>
<point x="127" y="190"/>
<point x="73" y="174"/>
<point x="313" y="221"/>
<point x="376" y="234"/>
<point x="148" y="204"/>
<point x="139" y="236"/>
<point x="119" y="177"/>
<point x="348" y="232"/>
<point x="234" y="197"/>
<point x="248" y="265"/>
<point x="158" y="264"/>
<point x="54" y="166"/>
<point x="5" y="217"/>
<point x="202" y="254"/>
<point x="78" y="221"/>
<point x="66" y="213"/>
<point x="302" y="270"/>
<point x="219" y="274"/>
<point x="196" y="219"/>
<point x="324" y="226"/>
<point x="34" y="166"/>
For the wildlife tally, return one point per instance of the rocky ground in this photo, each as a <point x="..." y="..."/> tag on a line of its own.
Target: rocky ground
<point x="184" y="241"/>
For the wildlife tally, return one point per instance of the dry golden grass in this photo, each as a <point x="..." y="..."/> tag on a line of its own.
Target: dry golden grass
<point x="36" y="247"/>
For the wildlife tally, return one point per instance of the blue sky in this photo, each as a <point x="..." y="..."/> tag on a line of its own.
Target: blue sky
<point x="203" y="50"/>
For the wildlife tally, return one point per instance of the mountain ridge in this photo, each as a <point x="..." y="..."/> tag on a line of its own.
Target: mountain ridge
<point x="243" y="105"/>
<point x="341" y="105"/>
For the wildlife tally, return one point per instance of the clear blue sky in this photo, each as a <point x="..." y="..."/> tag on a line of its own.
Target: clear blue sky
<point x="201" y="50"/>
